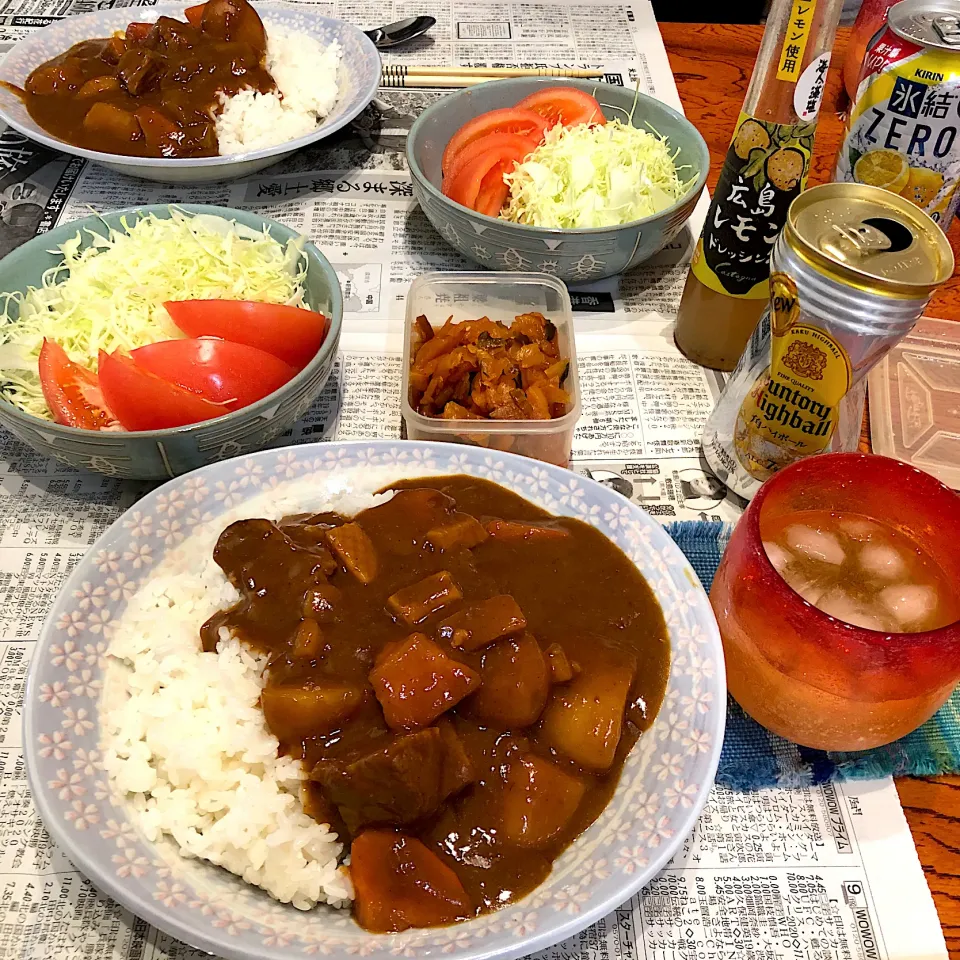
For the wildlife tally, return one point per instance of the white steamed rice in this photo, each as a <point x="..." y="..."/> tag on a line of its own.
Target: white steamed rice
<point x="183" y="737"/>
<point x="306" y="74"/>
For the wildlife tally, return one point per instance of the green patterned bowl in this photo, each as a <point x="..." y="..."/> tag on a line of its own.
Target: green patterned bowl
<point x="576" y="256"/>
<point x="168" y="453"/>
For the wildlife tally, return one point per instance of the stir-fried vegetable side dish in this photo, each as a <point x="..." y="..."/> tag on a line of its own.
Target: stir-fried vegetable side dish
<point x="463" y="676"/>
<point x="554" y="160"/>
<point x="164" y="323"/>
<point x="483" y="369"/>
<point x="152" y="91"/>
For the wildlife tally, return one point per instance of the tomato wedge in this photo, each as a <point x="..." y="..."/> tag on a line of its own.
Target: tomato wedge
<point x="292" y="334"/>
<point x="142" y="401"/>
<point x="479" y="184"/>
<point x="493" y="191"/>
<point x="493" y="141"/>
<point x="229" y="373"/>
<point x="72" y="392"/>
<point x="566" y="105"/>
<point x="508" y="120"/>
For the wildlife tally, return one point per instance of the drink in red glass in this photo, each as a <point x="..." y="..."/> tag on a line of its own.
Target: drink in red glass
<point x="838" y="600"/>
<point x="862" y="571"/>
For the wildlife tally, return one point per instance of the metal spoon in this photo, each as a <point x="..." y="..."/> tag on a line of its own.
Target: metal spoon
<point x="400" y="32"/>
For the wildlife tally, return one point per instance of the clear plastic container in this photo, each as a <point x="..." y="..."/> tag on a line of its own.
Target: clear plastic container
<point x="915" y="400"/>
<point x="499" y="296"/>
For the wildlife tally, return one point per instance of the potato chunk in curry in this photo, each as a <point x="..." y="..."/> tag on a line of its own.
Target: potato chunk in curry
<point x="561" y="669"/>
<point x="584" y="718"/>
<point x="415" y="603"/>
<point x="460" y="532"/>
<point x="294" y="712"/>
<point x="515" y="681"/>
<point x="354" y="550"/>
<point x="539" y="800"/>
<point x="481" y="623"/>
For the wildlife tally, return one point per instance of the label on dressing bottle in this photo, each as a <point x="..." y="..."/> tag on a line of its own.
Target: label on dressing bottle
<point x="799" y="28"/>
<point x="766" y="166"/>
<point x="791" y="411"/>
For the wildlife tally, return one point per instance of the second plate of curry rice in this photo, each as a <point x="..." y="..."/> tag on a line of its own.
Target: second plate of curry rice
<point x="402" y="690"/>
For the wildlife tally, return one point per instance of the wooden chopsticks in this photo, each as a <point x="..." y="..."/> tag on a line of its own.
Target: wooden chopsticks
<point x="396" y="75"/>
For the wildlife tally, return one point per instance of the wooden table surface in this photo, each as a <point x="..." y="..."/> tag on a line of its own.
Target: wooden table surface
<point x="712" y="65"/>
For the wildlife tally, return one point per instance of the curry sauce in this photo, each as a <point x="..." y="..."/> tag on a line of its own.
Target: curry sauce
<point x="462" y="675"/>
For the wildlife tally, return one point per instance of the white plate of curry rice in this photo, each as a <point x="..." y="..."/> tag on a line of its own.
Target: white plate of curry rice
<point x="185" y="93"/>
<point x="384" y="698"/>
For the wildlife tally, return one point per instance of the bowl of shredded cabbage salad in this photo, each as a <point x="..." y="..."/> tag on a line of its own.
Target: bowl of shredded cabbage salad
<point x="148" y="342"/>
<point x="575" y="178"/>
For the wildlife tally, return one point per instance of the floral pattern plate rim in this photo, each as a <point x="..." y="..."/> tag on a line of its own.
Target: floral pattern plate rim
<point x="664" y="785"/>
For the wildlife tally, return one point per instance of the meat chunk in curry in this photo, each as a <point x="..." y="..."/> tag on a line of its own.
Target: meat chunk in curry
<point x="399" y="783"/>
<point x="462" y="676"/>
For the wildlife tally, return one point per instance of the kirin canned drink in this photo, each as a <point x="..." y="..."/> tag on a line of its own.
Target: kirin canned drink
<point x="902" y="130"/>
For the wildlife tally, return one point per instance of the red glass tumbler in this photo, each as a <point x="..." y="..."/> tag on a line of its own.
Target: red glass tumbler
<point x="805" y="675"/>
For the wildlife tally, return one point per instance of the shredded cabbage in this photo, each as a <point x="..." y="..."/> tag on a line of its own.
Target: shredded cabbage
<point x="598" y="176"/>
<point x="110" y="296"/>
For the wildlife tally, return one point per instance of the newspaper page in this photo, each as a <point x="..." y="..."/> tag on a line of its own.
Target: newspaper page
<point x="814" y="872"/>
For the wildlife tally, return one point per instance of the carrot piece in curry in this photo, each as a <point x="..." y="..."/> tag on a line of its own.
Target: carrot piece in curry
<point x="416" y="682"/>
<point x="539" y="799"/>
<point x="194" y="15"/>
<point x="400" y="883"/>
<point x="510" y="530"/>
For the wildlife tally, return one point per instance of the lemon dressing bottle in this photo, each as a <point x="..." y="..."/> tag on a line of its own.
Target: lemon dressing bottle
<point x="766" y="166"/>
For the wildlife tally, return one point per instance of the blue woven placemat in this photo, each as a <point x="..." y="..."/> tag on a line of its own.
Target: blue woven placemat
<point x="753" y="757"/>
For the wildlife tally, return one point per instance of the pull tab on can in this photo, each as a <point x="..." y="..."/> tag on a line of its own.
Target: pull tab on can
<point x="948" y="30"/>
<point x="853" y="244"/>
